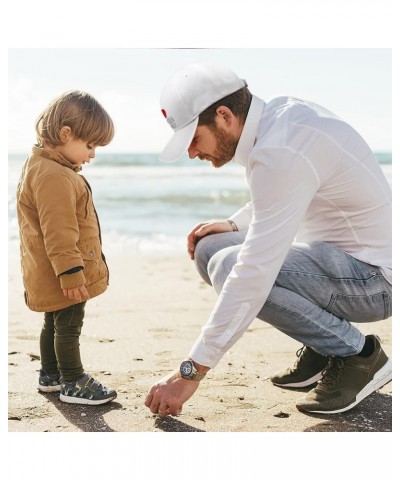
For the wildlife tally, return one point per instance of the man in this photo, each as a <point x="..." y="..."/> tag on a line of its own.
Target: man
<point x="310" y="254"/>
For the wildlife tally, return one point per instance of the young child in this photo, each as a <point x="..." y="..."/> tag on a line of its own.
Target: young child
<point x="62" y="262"/>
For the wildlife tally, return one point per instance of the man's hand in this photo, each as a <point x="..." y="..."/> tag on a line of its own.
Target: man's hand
<point x="168" y="396"/>
<point x="203" y="229"/>
<point x="79" y="294"/>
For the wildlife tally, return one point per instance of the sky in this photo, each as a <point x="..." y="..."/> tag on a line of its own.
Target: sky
<point x="354" y="83"/>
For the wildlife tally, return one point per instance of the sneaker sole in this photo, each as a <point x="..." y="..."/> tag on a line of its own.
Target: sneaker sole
<point x="381" y="378"/>
<point x="49" y="389"/>
<point x="305" y="383"/>
<point x="85" y="401"/>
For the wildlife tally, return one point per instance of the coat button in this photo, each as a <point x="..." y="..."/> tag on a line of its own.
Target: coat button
<point x="91" y="253"/>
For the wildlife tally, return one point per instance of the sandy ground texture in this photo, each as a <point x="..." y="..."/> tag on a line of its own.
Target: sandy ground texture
<point x="140" y="330"/>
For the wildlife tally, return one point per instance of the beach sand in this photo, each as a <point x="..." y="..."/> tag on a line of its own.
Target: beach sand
<point x="141" y="329"/>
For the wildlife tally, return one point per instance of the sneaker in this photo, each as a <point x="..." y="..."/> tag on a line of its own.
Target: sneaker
<point x="305" y="372"/>
<point x="348" y="380"/>
<point x="49" y="382"/>
<point x="87" y="391"/>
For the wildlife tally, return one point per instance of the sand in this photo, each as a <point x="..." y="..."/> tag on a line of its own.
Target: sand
<point x="141" y="329"/>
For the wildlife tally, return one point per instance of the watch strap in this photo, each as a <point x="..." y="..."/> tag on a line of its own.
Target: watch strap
<point x="197" y="376"/>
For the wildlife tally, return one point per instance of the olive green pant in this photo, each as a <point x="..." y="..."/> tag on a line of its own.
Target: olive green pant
<point x="59" y="342"/>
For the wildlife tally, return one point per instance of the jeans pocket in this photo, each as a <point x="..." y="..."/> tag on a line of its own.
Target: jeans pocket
<point x="361" y="308"/>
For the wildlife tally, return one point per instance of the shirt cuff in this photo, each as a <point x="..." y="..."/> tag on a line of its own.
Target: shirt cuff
<point x="241" y="220"/>
<point x="74" y="280"/>
<point x="206" y="355"/>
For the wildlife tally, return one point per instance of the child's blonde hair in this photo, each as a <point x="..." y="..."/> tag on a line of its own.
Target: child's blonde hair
<point x="82" y="113"/>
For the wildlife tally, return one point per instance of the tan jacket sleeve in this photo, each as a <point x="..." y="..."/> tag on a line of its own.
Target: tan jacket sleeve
<point x="56" y="199"/>
<point x="72" y="280"/>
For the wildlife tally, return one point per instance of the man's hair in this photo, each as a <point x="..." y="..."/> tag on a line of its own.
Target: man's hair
<point x="82" y="113"/>
<point x="238" y="102"/>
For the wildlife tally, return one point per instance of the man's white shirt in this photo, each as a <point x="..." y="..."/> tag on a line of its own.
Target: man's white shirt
<point x="312" y="178"/>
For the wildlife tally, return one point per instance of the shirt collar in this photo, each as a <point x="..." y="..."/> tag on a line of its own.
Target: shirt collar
<point x="249" y="133"/>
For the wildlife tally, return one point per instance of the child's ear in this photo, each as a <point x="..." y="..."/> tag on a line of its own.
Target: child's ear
<point x="65" y="133"/>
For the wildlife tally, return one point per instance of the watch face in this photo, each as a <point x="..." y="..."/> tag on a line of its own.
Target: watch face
<point x="186" y="368"/>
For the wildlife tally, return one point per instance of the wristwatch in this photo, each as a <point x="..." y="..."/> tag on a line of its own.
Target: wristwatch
<point x="188" y="371"/>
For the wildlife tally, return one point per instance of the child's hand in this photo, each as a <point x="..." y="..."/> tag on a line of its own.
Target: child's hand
<point x="79" y="294"/>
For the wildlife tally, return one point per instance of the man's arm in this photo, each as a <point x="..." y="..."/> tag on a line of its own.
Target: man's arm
<point x="282" y="185"/>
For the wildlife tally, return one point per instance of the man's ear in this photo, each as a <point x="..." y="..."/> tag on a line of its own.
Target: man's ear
<point x="225" y="115"/>
<point x="65" y="134"/>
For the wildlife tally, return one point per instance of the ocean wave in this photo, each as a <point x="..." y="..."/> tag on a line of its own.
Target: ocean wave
<point x="226" y="196"/>
<point x="115" y="243"/>
<point x="150" y="208"/>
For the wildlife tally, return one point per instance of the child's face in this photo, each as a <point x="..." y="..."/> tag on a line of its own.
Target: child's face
<point x="76" y="151"/>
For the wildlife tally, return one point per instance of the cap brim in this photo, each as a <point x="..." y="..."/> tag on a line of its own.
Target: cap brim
<point x="179" y="143"/>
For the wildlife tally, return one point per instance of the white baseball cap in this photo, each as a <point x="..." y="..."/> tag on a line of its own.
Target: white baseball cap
<point x="187" y="93"/>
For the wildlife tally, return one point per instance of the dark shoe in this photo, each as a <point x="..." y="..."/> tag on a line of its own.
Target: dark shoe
<point x="49" y="382"/>
<point x="305" y="372"/>
<point x="348" y="380"/>
<point x="87" y="391"/>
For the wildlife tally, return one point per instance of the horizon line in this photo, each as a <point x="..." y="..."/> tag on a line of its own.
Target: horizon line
<point x="126" y="152"/>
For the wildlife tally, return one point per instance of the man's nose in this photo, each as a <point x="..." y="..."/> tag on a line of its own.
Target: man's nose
<point x="193" y="151"/>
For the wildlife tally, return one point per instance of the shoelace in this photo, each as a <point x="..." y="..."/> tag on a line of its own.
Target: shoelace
<point x="298" y="355"/>
<point x="331" y="374"/>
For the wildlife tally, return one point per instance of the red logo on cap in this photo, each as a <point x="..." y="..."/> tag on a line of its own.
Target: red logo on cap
<point x="164" y="113"/>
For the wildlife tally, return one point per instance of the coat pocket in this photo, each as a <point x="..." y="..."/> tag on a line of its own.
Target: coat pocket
<point x="94" y="266"/>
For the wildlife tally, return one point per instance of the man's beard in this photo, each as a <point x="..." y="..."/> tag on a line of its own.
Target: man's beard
<point x="225" y="150"/>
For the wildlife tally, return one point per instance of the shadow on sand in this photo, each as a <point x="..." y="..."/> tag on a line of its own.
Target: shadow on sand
<point x="374" y="414"/>
<point x="87" y="418"/>
<point x="170" y="424"/>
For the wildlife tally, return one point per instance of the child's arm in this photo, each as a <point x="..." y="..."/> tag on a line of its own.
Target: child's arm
<point x="56" y="202"/>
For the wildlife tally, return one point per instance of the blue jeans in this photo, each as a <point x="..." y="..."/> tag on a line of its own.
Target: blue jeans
<point x="318" y="293"/>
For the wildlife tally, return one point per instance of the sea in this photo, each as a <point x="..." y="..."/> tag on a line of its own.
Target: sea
<point x="148" y="207"/>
